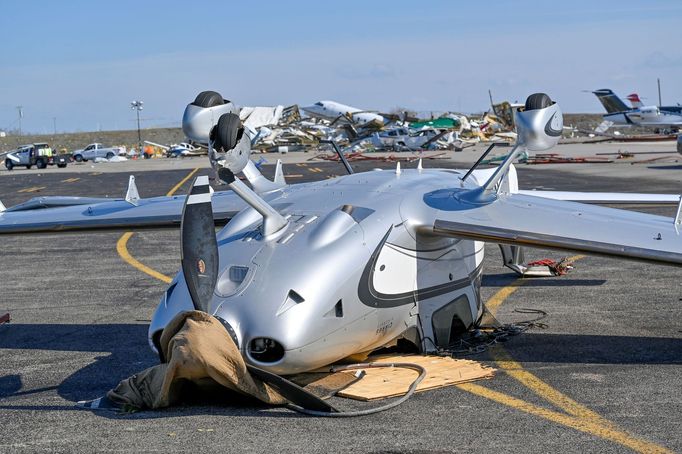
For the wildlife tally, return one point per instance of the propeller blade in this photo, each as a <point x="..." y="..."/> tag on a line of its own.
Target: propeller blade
<point x="291" y="391"/>
<point x="199" y="245"/>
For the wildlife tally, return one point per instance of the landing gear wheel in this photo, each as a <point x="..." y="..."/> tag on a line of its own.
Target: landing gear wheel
<point x="209" y="99"/>
<point x="227" y="132"/>
<point x="537" y="101"/>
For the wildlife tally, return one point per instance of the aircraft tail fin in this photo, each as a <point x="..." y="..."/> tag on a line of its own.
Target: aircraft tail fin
<point x="2" y="207"/>
<point x="634" y="100"/>
<point x="611" y="102"/>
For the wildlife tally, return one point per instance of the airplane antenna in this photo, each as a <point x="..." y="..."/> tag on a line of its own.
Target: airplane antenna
<point x="478" y="162"/>
<point x="345" y="162"/>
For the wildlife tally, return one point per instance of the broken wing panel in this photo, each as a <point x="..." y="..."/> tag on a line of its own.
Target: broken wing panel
<point x="80" y="214"/>
<point x="552" y="224"/>
<point x="605" y="197"/>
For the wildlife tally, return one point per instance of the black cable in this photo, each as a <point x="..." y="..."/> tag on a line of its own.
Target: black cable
<point x="370" y="411"/>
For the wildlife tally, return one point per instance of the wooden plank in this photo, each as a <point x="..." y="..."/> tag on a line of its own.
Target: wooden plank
<point x="388" y="382"/>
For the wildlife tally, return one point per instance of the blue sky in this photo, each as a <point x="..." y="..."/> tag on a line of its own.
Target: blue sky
<point x="82" y="62"/>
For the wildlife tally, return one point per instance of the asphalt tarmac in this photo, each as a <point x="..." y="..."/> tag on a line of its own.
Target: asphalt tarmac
<point x="604" y="375"/>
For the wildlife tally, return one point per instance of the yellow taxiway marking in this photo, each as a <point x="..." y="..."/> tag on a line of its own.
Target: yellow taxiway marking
<point x="122" y="243"/>
<point x="301" y="165"/>
<point x="581" y="424"/>
<point x="579" y="417"/>
<point x="122" y="249"/>
<point x="32" y="189"/>
<point x="94" y="174"/>
<point x="315" y="169"/>
<point x="70" y="180"/>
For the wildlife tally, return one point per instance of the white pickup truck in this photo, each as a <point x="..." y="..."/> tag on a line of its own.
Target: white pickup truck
<point x="97" y="150"/>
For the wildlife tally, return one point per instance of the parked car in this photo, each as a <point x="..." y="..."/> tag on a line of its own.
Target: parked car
<point x="35" y="154"/>
<point x="97" y="150"/>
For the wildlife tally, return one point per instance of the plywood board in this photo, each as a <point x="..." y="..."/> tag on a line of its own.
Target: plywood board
<point x="441" y="371"/>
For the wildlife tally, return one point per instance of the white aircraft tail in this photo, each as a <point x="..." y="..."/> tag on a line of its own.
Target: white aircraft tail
<point x="2" y="207"/>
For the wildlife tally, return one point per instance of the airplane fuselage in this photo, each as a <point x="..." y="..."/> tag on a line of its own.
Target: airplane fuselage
<point x="332" y="110"/>
<point x="647" y="116"/>
<point x="349" y="273"/>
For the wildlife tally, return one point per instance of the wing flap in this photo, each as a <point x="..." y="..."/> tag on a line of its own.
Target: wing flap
<point x="551" y="224"/>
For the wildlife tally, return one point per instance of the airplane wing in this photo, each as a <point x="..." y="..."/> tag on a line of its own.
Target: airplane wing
<point x="606" y="197"/>
<point x="46" y="214"/>
<point x="525" y="220"/>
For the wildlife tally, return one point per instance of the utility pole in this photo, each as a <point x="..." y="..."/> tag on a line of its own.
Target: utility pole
<point x="54" y="125"/>
<point x="137" y="106"/>
<point x="21" y="115"/>
<point x="659" y="92"/>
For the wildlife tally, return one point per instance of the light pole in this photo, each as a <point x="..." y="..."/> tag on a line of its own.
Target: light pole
<point x="21" y="115"/>
<point x="137" y="105"/>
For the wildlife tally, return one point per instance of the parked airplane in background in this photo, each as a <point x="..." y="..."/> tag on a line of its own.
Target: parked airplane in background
<point x="332" y="110"/>
<point x="618" y="113"/>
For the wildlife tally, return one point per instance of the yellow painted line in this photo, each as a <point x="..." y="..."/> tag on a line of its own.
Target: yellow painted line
<point x="301" y="165"/>
<point x="579" y="417"/>
<point x="498" y="298"/>
<point x="294" y="176"/>
<point x="580" y="424"/>
<point x="122" y="249"/>
<point x="315" y="169"/>
<point x="32" y="189"/>
<point x="122" y="243"/>
<point x="183" y="181"/>
<point x="70" y="180"/>
<point x="514" y="369"/>
<point x="94" y="174"/>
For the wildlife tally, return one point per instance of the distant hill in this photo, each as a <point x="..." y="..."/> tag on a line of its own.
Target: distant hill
<point x="75" y="140"/>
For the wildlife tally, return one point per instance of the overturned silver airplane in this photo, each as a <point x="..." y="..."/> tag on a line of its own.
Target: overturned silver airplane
<point x="305" y="275"/>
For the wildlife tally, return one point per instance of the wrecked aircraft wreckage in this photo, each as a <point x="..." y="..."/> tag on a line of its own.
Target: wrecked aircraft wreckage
<point x="283" y="129"/>
<point x="308" y="274"/>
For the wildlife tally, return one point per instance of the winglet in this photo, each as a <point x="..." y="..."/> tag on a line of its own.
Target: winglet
<point x="279" y="174"/>
<point x="132" y="196"/>
<point x="419" y="166"/>
<point x="678" y="216"/>
<point x="397" y="168"/>
<point x="2" y="207"/>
